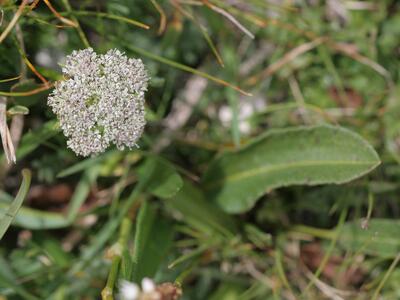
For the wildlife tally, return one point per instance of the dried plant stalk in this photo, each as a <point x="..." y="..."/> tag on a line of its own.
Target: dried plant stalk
<point x="5" y="132"/>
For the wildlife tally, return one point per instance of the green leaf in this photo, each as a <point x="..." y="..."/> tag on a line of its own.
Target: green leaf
<point x="165" y="181"/>
<point x="18" y="110"/>
<point x="302" y="155"/>
<point x="9" y="280"/>
<point x="30" y="218"/>
<point x="105" y="233"/>
<point x="12" y="210"/>
<point x="81" y="192"/>
<point x="83" y="165"/>
<point x="193" y="207"/>
<point x="380" y="238"/>
<point x="153" y="239"/>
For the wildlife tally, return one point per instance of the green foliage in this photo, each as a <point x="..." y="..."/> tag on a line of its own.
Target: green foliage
<point x="9" y="214"/>
<point x="277" y="195"/>
<point x="308" y="156"/>
<point x="376" y="239"/>
<point x="153" y="239"/>
<point x="165" y="181"/>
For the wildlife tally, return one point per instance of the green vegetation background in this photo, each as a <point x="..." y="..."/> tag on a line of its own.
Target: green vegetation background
<point x="175" y="209"/>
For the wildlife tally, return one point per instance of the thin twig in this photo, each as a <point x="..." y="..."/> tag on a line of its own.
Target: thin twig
<point x="328" y="291"/>
<point x="78" y="27"/>
<point x="386" y="277"/>
<point x="14" y="20"/>
<point x="252" y="270"/>
<point x="34" y="4"/>
<point x="229" y="17"/>
<point x="24" y="59"/>
<point x="109" y="16"/>
<point x="163" y="18"/>
<point x="60" y="17"/>
<point x="10" y="79"/>
<point x="27" y="93"/>
<point x="354" y="54"/>
<point x="288" y="57"/>
<point x="298" y="96"/>
<point x="185" y="68"/>
<point x="19" y="41"/>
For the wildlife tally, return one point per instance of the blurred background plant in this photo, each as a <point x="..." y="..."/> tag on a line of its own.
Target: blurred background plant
<point x="224" y="74"/>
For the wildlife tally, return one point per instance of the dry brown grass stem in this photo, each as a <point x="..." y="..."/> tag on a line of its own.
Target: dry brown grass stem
<point x="14" y="20"/>
<point x="27" y="93"/>
<point x="163" y="17"/>
<point x="6" y="140"/>
<point x="288" y="57"/>
<point x="229" y="17"/>
<point x="60" y="17"/>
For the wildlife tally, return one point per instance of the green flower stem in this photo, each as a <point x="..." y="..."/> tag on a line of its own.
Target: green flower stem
<point x="119" y="248"/>
<point x="78" y="28"/>
<point x="107" y="231"/>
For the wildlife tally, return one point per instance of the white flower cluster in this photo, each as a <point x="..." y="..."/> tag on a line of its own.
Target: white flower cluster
<point x="131" y="291"/>
<point x="101" y="101"/>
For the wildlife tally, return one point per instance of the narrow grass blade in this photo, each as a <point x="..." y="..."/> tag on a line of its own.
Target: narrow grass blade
<point x="16" y="204"/>
<point x="185" y="68"/>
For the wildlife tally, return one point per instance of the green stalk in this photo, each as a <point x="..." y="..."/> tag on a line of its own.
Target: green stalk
<point x="10" y="214"/>
<point x="78" y="28"/>
<point x="386" y="277"/>
<point x="120" y="246"/>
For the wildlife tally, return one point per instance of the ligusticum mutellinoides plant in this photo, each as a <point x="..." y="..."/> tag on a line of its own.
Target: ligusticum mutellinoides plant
<point x="101" y="101"/>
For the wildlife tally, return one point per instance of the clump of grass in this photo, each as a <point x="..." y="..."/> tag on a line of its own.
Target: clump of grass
<point x="205" y="207"/>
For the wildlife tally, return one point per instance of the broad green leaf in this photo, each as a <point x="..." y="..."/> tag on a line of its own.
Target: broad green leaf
<point x="200" y="213"/>
<point x="165" y="181"/>
<point x="380" y="238"/>
<point x="303" y="155"/>
<point x="11" y="212"/>
<point x="153" y="239"/>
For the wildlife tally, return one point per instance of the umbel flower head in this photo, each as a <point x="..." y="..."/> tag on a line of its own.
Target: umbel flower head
<point x="101" y="101"/>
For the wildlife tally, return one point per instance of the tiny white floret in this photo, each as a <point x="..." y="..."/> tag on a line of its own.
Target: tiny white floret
<point x="148" y="285"/>
<point x="128" y="290"/>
